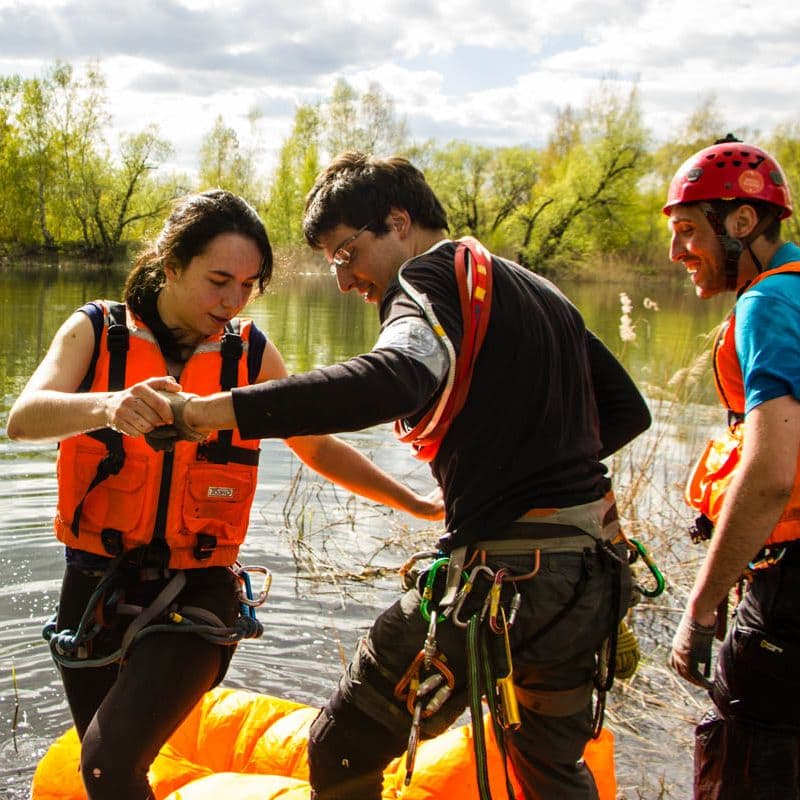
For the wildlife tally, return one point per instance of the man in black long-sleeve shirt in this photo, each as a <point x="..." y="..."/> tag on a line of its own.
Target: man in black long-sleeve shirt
<point x="490" y="374"/>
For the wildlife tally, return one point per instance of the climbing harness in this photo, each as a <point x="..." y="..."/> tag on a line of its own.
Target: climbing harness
<point x="591" y="527"/>
<point x="74" y="649"/>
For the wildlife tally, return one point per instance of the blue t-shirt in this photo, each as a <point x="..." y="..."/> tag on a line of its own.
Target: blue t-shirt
<point x="768" y="333"/>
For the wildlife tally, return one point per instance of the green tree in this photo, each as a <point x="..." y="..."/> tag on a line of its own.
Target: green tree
<point x="367" y="122"/>
<point x="79" y="124"/>
<point x="37" y="149"/>
<point x="298" y="165"/>
<point x="589" y="182"/>
<point x="124" y="200"/>
<point x="703" y="127"/>
<point x="53" y="145"/>
<point x="222" y="164"/>
<point x="482" y="188"/>
<point x="784" y="144"/>
<point x="17" y="213"/>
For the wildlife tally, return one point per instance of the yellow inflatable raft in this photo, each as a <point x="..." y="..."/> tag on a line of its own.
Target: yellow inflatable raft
<point x="246" y="746"/>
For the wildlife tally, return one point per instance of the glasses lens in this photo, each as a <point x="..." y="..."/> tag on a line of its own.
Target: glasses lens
<point x="341" y="258"/>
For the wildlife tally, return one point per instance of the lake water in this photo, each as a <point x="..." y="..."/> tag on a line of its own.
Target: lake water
<point x="332" y="557"/>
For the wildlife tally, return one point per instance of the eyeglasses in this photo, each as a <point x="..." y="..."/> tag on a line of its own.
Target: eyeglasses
<point x="341" y="255"/>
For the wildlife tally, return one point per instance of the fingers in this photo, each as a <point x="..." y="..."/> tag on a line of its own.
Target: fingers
<point x="143" y="407"/>
<point x="689" y="669"/>
<point x="431" y="505"/>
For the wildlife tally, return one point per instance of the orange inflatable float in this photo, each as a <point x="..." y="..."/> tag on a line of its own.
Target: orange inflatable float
<point x="246" y="746"/>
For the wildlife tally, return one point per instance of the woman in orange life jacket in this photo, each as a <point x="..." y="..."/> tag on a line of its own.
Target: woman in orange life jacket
<point x="725" y="205"/>
<point x="165" y="524"/>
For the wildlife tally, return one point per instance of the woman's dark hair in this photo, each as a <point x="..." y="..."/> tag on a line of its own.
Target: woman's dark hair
<point x="196" y="220"/>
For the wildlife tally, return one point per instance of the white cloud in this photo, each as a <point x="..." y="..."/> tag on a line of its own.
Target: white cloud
<point x="492" y="72"/>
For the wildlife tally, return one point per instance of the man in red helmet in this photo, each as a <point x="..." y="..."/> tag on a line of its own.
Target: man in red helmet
<point x="725" y="205"/>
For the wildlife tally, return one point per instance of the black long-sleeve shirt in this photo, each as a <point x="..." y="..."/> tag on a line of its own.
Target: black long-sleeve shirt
<point x="547" y="400"/>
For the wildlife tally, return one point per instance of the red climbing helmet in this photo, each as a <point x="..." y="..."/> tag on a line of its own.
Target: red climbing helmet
<point x="730" y="170"/>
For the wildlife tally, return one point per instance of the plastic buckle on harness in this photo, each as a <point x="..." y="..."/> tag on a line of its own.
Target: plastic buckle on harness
<point x="701" y="529"/>
<point x="213" y="452"/>
<point x="112" y="541"/>
<point x="206" y="544"/>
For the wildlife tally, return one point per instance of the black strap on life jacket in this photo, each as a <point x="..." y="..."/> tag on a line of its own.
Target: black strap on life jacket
<point x="221" y="450"/>
<point x="118" y="343"/>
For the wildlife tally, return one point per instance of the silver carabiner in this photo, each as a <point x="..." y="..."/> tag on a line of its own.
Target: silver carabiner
<point x="245" y="591"/>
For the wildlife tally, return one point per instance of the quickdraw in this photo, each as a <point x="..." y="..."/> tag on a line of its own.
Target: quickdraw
<point x="423" y="697"/>
<point x="428" y="682"/>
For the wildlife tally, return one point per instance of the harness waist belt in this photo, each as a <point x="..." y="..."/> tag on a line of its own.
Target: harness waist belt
<point x="562" y="530"/>
<point x="599" y="518"/>
<point x="520" y="547"/>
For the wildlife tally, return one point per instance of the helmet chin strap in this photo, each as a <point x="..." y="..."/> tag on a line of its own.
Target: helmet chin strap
<point x="733" y="247"/>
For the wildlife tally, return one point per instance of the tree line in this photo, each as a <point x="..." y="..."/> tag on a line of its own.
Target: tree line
<point x="591" y="195"/>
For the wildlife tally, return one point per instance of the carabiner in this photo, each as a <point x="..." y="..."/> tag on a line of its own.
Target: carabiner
<point x="246" y="595"/>
<point x="494" y="601"/>
<point x="427" y="593"/>
<point x="641" y="550"/>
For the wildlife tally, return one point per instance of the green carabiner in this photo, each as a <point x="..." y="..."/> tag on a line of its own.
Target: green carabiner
<point x="654" y="570"/>
<point x="427" y="592"/>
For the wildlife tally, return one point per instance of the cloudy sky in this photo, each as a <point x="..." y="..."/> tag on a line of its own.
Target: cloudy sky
<point x="488" y="71"/>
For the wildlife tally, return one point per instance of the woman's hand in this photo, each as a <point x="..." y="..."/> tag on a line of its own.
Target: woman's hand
<point x="142" y="407"/>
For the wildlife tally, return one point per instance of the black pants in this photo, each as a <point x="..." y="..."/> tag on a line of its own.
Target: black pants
<point x="748" y="746"/>
<point x="124" y="715"/>
<point x="363" y="727"/>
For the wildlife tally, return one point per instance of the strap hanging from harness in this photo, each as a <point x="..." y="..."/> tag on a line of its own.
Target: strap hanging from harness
<point x="481" y="682"/>
<point x="117" y="343"/>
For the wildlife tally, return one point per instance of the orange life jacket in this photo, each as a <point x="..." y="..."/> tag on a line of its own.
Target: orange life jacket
<point x="709" y="480"/>
<point x="474" y="279"/>
<point x="115" y="493"/>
